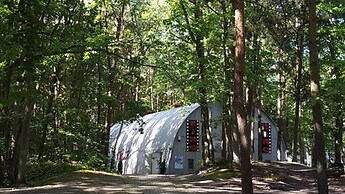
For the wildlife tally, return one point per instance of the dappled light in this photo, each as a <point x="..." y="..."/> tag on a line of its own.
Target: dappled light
<point x="100" y="182"/>
<point x="169" y="94"/>
<point x="160" y="131"/>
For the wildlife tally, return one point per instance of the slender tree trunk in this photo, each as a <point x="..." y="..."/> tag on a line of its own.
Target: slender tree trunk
<point x="226" y="112"/>
<point x="49" y="112"/>
<point x="302" y="151"/>
<point x="315" y="101"/>
<point x="110" y="107"/>
<point x="207" y="139"/>
<point x="297" y="97"/>
<point x="197" y="37"/>
<point x="225" y="139"/>
<point x="338" y="143"/>
<point x="99" y="94"/>
<point x="113" y="149"/>
<point x="5" y="129"/>
<point x="254" y="91"/>
<point x="282" y="123"/>
<point x="339" y="119"/>
<point x="259" y="137"/>
<point x="227" y="152"/>
<point x="5" y="124"/>
<point x="244" y="132"/>
<point x="47" y="120"/>
<point x="57" y="120"/>
<point x="112" y="65"/>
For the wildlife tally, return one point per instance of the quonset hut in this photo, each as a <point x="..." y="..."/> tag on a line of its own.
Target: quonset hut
<point x="170" y="141"/>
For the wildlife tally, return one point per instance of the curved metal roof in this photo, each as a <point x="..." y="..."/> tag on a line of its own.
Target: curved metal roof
<point x="160" y="130"/>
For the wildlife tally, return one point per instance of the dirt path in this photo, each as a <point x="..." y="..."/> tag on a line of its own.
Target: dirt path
<point x="268" y="178"/>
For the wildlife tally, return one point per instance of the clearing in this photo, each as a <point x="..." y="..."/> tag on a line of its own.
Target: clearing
<point x="267" y="178"/>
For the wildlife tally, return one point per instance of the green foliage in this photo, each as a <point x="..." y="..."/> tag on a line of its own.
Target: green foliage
<point x="68" y="49"/>
<point x="41" y="170"/>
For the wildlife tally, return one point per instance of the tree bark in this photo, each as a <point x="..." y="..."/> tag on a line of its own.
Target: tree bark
<point x="339" y="119"/>
<point x="21" y="138"/>
<point x="48" y="117"/>
<point x="227" y="152"/>
<point x="5" y="124"/>
<point x="197" y="37"/>
<point x="244" y="132"/>
<point x="49" y="112"/>
<point x="21" y="145"/>
<point x="297" y="97"/>
<point x="319" y="142"/>
<point x="282" y="123"/>
<point x="112" y="65"/>
<point x="5" y="129"/>
<point x="207" y="137"/>
<point x="338" y="140"/>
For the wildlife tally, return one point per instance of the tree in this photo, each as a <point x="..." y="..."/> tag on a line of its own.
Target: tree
<point x="319" y="145"/>
<point x="32" y="33"/>
<point x="332" y="37"/>
<point x="243" y="129"/>
<point x="297" y="95"/>
<point x="197" y="36"/>
<point x="113" y="63"/>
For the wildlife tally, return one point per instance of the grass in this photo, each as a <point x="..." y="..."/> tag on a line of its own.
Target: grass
<point x="65" y="177"/>
<point x="223" y="174"/>
<point x="269" y="175"/>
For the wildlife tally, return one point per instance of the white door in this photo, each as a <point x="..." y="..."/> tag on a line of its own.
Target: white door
<point x="156" y="159"/>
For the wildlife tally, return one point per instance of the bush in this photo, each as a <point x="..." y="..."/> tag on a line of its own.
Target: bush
<point x="40" y="170"/>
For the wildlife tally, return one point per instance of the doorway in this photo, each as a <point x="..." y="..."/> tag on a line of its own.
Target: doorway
<point x="155" y="162"/>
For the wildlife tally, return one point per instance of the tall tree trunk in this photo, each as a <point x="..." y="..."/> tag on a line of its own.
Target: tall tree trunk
<point x="282" y="123"/>
<point x="227" y="152"/>
<point x="297" y="97"/>
<point x="112" y="65"/>
<point x="48" y="117"/>
<point x="49" y="112"/>
<point x="21" y="143"/>
<point x="338" y="140"/>
<point x="244" y="132"/>
<point x="5" y="129"/>
<point x="5" y="124"/>
<point x="319" y="142"/>
<point x="113" y="149"/>
<point x="226" y="114"/>
<point x="207" y="139"/>
<point x="21" y="138"/>
<point x="302" y="152"/>
<point x="197" y="37"/>
<point x="99" y="93"/>
<point x="254" y="93"/>
<point x="339" y="119"/>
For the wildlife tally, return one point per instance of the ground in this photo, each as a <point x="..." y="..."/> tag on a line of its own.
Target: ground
<point x="267" y="178"/>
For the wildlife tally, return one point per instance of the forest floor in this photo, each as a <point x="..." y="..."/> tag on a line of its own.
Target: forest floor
<point x="267" y="178"/>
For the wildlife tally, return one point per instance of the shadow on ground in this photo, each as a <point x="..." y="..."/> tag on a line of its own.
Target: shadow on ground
<point x="267" y="178"/>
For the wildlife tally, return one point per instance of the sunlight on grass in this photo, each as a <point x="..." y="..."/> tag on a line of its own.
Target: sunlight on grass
<point x="223" y="174"/>
<point x="79" y="174"/>
<point x="96" y="172"/>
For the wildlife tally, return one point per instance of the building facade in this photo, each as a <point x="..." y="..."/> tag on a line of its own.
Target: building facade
<point x="169" y="142"/>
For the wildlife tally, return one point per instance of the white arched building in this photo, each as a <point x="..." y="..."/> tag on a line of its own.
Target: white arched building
<point x="173" y="137"/>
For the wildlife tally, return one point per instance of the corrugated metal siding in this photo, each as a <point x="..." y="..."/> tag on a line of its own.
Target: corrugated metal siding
<point x="160" y="130"/>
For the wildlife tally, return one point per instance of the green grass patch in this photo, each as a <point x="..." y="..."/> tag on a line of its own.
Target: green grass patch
<point x="70" y="176"/>
<point x="223" y="174"/>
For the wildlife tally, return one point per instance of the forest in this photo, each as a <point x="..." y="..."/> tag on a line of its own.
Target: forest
<point x="70" y="69"/>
